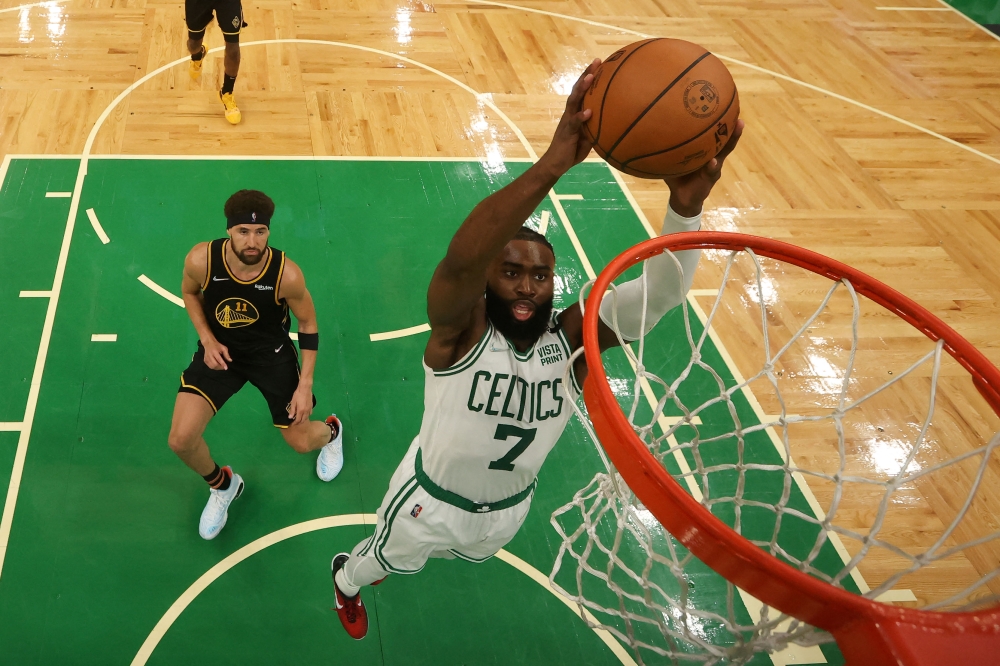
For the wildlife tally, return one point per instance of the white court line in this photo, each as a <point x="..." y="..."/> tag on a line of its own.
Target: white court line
<point x="543" y="226"/>
<point x="10" y="426"/>
<point x="58" y="195"/>
<point x="3" y="169"/>
<point x="176" y="300"/>
<point x="34" y="4"/>
<point x="569" y="197"/>
<point x="35" y="294"/>
<point x="254" y="547"/>
<point x="703" y="292"/>
<point x="94" y="222"/>
<point x="104" y="337"/>
<point x="401" y="333"/>
<point x="911" y="9"/>
<point x="892" y="596"/>
<point x="756" y="68"/>
<point x="981" y="27"/>
<point x="13" y="488"/>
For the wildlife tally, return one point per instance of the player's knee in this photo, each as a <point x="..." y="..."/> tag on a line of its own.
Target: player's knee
<point x="233" y="51"/>
<point x="179" y="442"/>
<point x="297" y="439"/>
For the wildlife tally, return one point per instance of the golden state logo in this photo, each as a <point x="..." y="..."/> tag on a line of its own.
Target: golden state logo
<point x="236" y="313"/>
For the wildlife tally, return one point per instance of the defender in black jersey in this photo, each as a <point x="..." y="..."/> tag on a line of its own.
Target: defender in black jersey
<point x="238" y="292"/>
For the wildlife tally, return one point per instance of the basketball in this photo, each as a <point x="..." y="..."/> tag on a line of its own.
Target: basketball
<point x="661" y="107"/>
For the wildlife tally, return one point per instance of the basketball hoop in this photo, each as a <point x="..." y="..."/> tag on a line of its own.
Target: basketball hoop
<point x="868" y="632"/>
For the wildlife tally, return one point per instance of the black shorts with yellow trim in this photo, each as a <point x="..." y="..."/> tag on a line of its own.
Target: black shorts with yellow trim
<point x="229" y="14"/>
<point x="276" y="381"/>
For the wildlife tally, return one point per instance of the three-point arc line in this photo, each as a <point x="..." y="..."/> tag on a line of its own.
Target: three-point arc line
<point x="96" y="224"/>
<point x="179" y="302"/>
<point x="374" y="337"/>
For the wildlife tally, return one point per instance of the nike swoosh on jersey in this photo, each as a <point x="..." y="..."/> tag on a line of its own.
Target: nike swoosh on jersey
<point x="217" y="279"/>
<point x="278" y="349"/>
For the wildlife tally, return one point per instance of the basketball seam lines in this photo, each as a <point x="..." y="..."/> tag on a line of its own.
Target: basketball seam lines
<point x="667" y="150"/>
<point x="600" y="118"/>
<point x="658" y="97"/>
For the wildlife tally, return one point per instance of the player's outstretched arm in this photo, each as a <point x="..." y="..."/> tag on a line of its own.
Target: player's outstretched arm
<point x="455" y="297"/>
<point x="195" y="274"/>
<point x="300" y="302"/>
<point x="666" y="289"/>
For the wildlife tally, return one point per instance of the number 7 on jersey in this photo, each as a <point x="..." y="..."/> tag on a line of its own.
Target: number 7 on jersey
<point x="526" y="435"/>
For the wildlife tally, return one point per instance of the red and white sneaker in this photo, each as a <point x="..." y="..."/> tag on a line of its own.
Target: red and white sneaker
<point x="350" y="610"/>
<point x="330" y="460"/>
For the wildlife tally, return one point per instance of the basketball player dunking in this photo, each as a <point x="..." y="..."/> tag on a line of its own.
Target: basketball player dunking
<point x="494" y="396"/>
<point x="238" y="292"/>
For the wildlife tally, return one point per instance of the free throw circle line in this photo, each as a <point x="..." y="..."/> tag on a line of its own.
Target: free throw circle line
<point x="254" y="547"/>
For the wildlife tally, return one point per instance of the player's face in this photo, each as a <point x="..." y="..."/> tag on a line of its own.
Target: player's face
<point x="519" y="290"/>
<point x="249" y="242"/>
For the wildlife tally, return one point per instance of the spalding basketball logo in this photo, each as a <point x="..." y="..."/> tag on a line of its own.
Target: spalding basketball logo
<point x="701" y="99"/>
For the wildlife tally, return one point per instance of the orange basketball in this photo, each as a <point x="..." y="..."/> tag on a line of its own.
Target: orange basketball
<point x="661" y="107"/>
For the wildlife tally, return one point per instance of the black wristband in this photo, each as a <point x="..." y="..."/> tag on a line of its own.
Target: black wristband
<point x="309" y="341"/>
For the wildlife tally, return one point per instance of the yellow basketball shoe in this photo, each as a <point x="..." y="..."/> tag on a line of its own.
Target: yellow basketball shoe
<point x="194" y="66"/>
<point x="233" y="114"/>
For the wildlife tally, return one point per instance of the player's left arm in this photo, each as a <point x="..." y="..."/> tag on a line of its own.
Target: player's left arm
<point x="293" y="290"/>
<point x="666" y="289"/>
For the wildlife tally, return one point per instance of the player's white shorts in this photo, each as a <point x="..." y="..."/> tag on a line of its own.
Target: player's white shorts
<point x="419" y="520"/>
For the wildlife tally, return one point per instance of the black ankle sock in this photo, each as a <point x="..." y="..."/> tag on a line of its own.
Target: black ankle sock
<point x="228" y="82"/>
<point x="199" y="55"/>
<point x="219" y="479"/>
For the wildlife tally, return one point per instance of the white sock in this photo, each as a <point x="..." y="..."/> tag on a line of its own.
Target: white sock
<point x="342" y="584"/>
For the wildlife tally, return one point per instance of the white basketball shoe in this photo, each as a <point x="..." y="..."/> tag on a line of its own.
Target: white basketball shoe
<point x="331" y="457"/>
<point x="216" y="512"/>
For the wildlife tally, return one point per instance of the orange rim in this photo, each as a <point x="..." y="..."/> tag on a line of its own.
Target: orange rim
<point x="868" y="632"/>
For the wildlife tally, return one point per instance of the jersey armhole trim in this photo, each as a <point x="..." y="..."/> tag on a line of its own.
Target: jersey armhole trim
<point x="470" y="358"/>
<point x="569" y="352"/>
<point x="561" y="334"/>
<point x="277" y="284"/>
<point x="208" y="267"/>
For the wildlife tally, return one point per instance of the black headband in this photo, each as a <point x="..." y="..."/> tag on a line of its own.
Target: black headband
<point x="248" y="218"/>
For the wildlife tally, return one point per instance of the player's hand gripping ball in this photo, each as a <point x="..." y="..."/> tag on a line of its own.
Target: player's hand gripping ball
<point x="660" y="108"/>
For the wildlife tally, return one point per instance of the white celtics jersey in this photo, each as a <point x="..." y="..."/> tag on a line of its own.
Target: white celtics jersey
<point x="491" y="419"/>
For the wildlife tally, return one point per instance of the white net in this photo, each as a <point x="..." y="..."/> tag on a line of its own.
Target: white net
<point x="836" y="437"/>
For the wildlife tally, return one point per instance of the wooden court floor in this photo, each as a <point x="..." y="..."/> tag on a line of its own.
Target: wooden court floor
<point x="873" y="133"/>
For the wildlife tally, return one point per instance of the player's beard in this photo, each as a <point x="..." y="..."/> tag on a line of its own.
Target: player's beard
<point x="499" y="312"/>
<point x="250" y="260"/>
